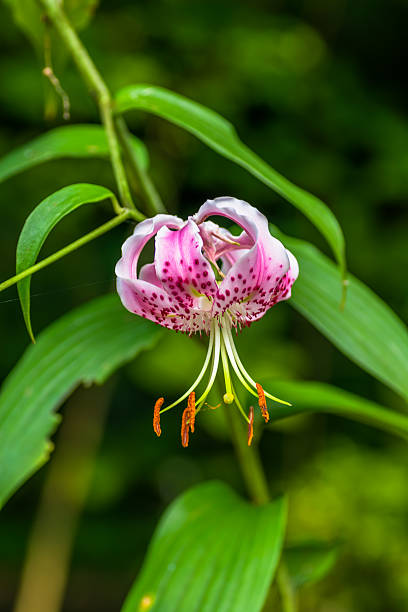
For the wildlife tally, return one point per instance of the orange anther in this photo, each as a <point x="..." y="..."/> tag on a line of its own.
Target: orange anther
<point x="262" y="402"/>
<point x="156" y="416"/>
<point x="191" y="409"/>
<point x="212" y="407"/>
<point x="251" y="425"/>
<point x="185" y="427"/>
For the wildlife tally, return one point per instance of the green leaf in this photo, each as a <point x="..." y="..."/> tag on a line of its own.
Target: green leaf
<point x="309" y="397"/>
<point x="40" y="223"/>
<point x="85" y="346"/>
<point x="77" y="141"/>
<point x="367" y="330"/>
<point x="29" y="17"/>
<point x="211" y="551"/>
<point x="220" y="135"/>
<point x="309" y="562"/>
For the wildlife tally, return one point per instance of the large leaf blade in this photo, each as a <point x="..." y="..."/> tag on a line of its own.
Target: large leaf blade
<point x="72" y="141"/>
<point x="309" y="397"/>
<point x="85" y="346"/>
<point x="366" y="330"/>
<point x="220" y="135"/>
<point x="38" y="226"/>
<point x="196" y="561"/>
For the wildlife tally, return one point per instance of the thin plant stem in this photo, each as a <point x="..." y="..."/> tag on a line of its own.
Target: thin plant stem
<point x="149" y="192"/>
<point x="98" y="88"/>
<point x="248" y="458"/>
<point x="255" y="480"/>
<point x="286" y="590"/>
<point x="99" y="231"/>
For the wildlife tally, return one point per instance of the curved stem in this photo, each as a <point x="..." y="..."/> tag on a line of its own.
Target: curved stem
<point x="257" y="486"/>
<point x="248" y="458"/>
<point x="97" y="86"/>
<point x="286" y="590"/>
<point x="102" y="229"/>
<point x="149" y="192"/>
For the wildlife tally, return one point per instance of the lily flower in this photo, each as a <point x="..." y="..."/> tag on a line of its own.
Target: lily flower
<point x="205" y="279"/>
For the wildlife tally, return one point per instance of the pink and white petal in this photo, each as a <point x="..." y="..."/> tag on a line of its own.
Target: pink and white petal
<point x="132" y="247"/>
<point x="148" y="273"/>
<point x="218" y="240"/>
<point x="240" y="212"/>
<point x="141" y="298"/>
<point x="294" y="266"/>
<point x="254" y="276"/>
<point x="181" y="266"/>
<point x="147" y="300"/>
<point x="285" y="288"/>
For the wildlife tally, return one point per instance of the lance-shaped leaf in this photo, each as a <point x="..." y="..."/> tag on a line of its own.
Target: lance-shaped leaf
<point x="40" y="223"/>
<point x="85" y="346"/>
<point x="211" y="551"/>
<point x="220" y="135"/>
<point x="367" y="330"/>
<point x="309" y="397"/>
<point x="71" y="141"/>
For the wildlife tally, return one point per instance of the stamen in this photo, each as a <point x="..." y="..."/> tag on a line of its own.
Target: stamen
<point x="201" y="374"/>
<point x="214" y="368"/>
<point x="217" y="268"/>
<point x="228" y="395"/>
<point x="251" y="425"/>
<point x="243" y="370"/>
<point x="191" y="408"/>
<point x="156" y="416"/>
<point x="212" y="407"/>
<point x="185" y="427"/>
<point x="237" y="371"/>
<point x="224" y="238"/>
<point x="262" y="402"/>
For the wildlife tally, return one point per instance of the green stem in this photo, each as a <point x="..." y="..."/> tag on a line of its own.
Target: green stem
<point x="150" y="194"/>
<point x="286" y="590"/>
<point x="97" y="86"/>
<point x="70" y="248"/>
<point x="255" y="480"/>
<point x="248" y="458"/>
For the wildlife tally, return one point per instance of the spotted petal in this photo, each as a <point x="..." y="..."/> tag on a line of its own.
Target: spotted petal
<point x="133" y="246"/>
<point x="181" y="266"/>
<point x="257" y="277"/>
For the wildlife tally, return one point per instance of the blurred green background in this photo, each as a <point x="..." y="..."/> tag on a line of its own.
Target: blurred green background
<point x="317" y="89"/>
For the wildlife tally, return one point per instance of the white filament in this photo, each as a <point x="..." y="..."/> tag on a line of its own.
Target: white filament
<point x="243" y="370"/>
<point x="201" y="374"/>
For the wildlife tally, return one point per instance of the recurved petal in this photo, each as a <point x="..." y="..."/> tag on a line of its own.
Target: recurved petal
<point x="132" y="247"/>
<point x="148" y="273"/>
<point x="253" y="278"/>
<point x="285" y="289"/>
<point x="180" y="265"/>
<point x="218" y="240"/>
<point x="149" y="301"/>
<point x="240" y="212"/>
